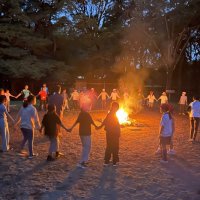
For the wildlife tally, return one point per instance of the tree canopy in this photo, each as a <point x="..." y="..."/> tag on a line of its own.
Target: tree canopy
<point x="67" y="38"/>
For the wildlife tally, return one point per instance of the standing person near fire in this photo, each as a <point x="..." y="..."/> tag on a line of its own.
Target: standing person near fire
<point x="114" y="95"/>
<point x="112" y="128"/>
<point x="8" y="95"/>
<point x="4" y="130"/>
<point x="104" y="96"/>
<point x="194" y="115"/>
<point x="166" y="131"/>
<point x="65" y="97"/>
<point x="25" y="93"/>
<point x="85" y="121"/>
<point x="75" y="99"/>
<point x="163" y="98"/>
<point x="151" y="99"/>
<point x="29" y="120"/>
<point x="43" y="99"/>
<point x="182" y="103"/>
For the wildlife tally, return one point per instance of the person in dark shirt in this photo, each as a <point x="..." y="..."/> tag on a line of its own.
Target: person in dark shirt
<point x="51" y="123"/>
<point x="84" y="120"/>
<point x="57" y="100"/>
<point x="112" y="128"/>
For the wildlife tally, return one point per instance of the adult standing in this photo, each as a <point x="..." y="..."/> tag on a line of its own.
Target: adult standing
<point x="25" y="93"/>
<point x="57" y="100"/>
<point x="194" y="108"/>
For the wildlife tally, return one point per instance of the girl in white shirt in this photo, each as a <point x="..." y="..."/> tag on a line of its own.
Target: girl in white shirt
<point x="28" y="119"/>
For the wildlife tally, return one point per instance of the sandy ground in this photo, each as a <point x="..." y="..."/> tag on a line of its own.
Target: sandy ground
<point x="139" y="176"/>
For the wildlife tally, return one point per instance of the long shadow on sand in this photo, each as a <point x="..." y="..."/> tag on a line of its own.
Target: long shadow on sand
<point x="179" y="170"/>
<point x="30" y="172"/>
<point x="64" y="188"/>
<point x="106" y="189"/>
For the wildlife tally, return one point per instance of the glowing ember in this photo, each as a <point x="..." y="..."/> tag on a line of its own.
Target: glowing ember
<point x="122" y="116"/>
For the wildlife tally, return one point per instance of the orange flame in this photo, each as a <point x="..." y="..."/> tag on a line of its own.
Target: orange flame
<point x="122" y="116"/>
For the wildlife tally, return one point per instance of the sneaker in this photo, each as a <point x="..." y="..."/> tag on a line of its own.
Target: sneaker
<point x="105" y="164"/>
<point x="50" y="158"/>
<point x="58" y="154"/>
<point x="34" y="155"/>
<point x="190" y="140"/>
<point x="171" y="152"/>
<point x="163" y="161"/>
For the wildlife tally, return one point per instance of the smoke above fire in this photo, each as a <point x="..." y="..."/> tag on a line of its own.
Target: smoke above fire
<point x="132" y="83"/>
<point x="132" y="76"/>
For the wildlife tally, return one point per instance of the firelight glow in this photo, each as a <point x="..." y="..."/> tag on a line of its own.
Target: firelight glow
<point x="122" y="116"/>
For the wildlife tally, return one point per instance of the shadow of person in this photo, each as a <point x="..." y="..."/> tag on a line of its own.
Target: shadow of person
<point x="64" y="189"/>
<point x="179" y="169"/>
<point x="106" y="188"/>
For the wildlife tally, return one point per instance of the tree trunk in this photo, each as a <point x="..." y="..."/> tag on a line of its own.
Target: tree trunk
<point x="169" y="80"/>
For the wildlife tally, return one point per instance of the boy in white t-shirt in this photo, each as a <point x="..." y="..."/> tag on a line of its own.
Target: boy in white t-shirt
<point x="151" y="98"/>
<point x="163" y="98"/>
<point x="182" y="103"/>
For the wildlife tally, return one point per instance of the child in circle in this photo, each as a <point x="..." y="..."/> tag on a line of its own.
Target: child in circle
<point x="182" y="103"/>
<point x="112" y="128"/>
<point x="85" y="121"/>
<point x="51" y="122"/>
<point x="29" y="120"/>
<point x="166" y="131"/>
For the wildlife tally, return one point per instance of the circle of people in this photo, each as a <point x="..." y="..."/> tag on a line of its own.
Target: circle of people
<point x="28" y="119"/>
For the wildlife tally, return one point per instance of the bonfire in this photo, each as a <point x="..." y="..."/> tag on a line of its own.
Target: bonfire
<point x="123" y="117"/>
